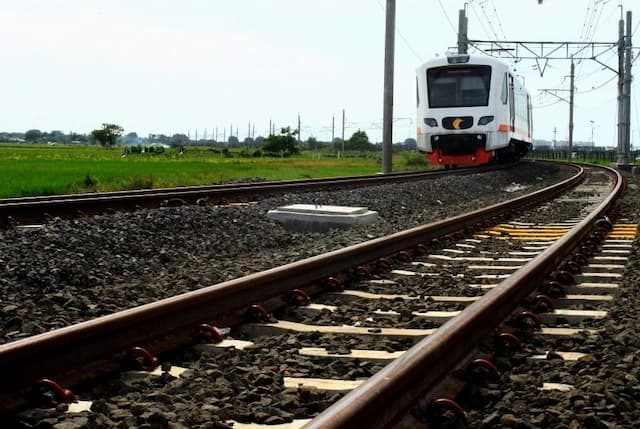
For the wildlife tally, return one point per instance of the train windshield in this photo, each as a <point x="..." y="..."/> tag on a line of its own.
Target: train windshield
<point x="463" y="86"/>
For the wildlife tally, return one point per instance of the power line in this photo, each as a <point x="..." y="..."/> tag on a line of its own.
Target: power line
<point x="447" y="16"/>
<point x="546" y="105"/>
<point x="404" y="39"/>
<point x="480" y="20"/>
<point x="495" y="11"/>
<point x="489" y="22"/>
<point x="595" y="88"/>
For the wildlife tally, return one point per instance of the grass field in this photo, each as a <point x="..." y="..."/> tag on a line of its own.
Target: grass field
<point x="28" y="170"/>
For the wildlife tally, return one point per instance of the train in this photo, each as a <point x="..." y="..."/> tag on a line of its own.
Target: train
<point x="471" y="110"/>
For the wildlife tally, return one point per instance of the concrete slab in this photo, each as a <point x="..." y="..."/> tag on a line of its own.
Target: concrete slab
<point x="321" y="218"/>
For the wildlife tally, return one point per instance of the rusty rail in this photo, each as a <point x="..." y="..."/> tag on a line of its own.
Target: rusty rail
<point x="390" y="392"/>
<point x="81" y="352"/>
<point x="38" y="209"/>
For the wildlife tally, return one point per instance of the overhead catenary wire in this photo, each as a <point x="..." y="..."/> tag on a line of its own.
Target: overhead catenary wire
<point x="404" y="39"/>
<point x="495" y="11"/>
<point x="542" y="106"/>
<point x="480" y="20"/>
<point x="444" y="11"/>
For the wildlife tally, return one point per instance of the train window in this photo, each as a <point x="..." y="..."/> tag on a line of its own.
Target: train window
<point x="457" y="86"/>
<point x="504" y="96"/>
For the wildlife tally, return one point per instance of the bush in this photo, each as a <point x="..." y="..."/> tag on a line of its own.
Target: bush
<point x="417" y="160"/>
<point x="90" y="182"/>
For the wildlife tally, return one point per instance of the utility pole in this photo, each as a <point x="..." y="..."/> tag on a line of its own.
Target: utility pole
<point x="463" y="40"/>
<point x="571" y="91"/>
<point x="333" y="128"/>
<point x="342" y="130"/>
<point x="253" y="132"/>
<point x="621" y="115"/>
<point x="216" y="134"/>
<point x="269" y="126"/>
<point x="627" y="93"/>
<point x="249" y="130"/>
<point x="555" y="133"/>
<point x="387" y="104"/>
<point x="592" y="121"/>
<point x="299" y="130"/>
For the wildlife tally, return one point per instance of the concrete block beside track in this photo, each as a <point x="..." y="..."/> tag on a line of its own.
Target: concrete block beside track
<point x="321" y="218"/>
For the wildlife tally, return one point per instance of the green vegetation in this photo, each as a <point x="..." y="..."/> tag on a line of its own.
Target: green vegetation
<point x="108" y="135"/>
<point x="28" y="170"/>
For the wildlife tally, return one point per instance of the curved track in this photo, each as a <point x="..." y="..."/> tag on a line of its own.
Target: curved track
<point x="81" y="352"/>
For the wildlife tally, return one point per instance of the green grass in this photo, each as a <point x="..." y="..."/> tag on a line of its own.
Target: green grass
<point x="27" y="170"/>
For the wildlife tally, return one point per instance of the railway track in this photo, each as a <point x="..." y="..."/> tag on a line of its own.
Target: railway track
<point x="420" y="253"/>
<point x="36" y="210"/>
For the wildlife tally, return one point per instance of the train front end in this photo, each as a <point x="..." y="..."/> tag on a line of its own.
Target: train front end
<point x="459" y="109"/>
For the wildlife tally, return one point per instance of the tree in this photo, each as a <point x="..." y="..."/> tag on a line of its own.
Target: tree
<point x="179" y="140"/>
<point x="32" y="136"/>
<point x="313" y="143"/>
<point x="358" y="141"/>
<point x="108" y="135"/>
<point x="410" y="143"/>
<point x="284" y="143"/>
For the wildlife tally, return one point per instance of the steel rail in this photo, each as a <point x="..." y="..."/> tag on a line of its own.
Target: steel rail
<point x="391" y="391"/>
<point x="81" y="352"/>
<point x="33" y="209"/>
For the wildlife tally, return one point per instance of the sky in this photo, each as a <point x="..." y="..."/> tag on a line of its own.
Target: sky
<point x="169" y="66"/>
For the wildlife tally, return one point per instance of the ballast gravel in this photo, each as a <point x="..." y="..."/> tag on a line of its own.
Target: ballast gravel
<point x="75" y="270"/>
<point x="189" y="247"/>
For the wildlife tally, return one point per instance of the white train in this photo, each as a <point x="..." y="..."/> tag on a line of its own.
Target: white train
<point x="471" y="110"/>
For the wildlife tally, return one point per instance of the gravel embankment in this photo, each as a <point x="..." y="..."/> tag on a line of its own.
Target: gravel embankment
<point x="72" y="271"/>
<point x="201" y="250"/>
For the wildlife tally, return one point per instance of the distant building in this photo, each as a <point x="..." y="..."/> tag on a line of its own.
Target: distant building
<point x="560" y="144"/>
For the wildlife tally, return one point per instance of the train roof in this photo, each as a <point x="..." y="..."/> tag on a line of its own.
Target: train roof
<point x="461" y="59"/>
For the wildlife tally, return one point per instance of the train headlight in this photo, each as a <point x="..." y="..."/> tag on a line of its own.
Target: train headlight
<point x="485" y="120"/>
<point x="431" y="122"/>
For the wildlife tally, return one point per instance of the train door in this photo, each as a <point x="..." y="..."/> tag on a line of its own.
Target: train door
<point x="512" y="104"/>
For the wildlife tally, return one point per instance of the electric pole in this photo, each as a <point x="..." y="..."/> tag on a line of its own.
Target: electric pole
<point x="463" y="40"/>
<point x="621" y="115"/>
<point x="571" y="91"/>
<point x="333" y="128"/>
<point x="343" y="131"/>
<point x="627" y="93"/>
<point x="387" y="110"/>
<point x="299" y="130"/>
